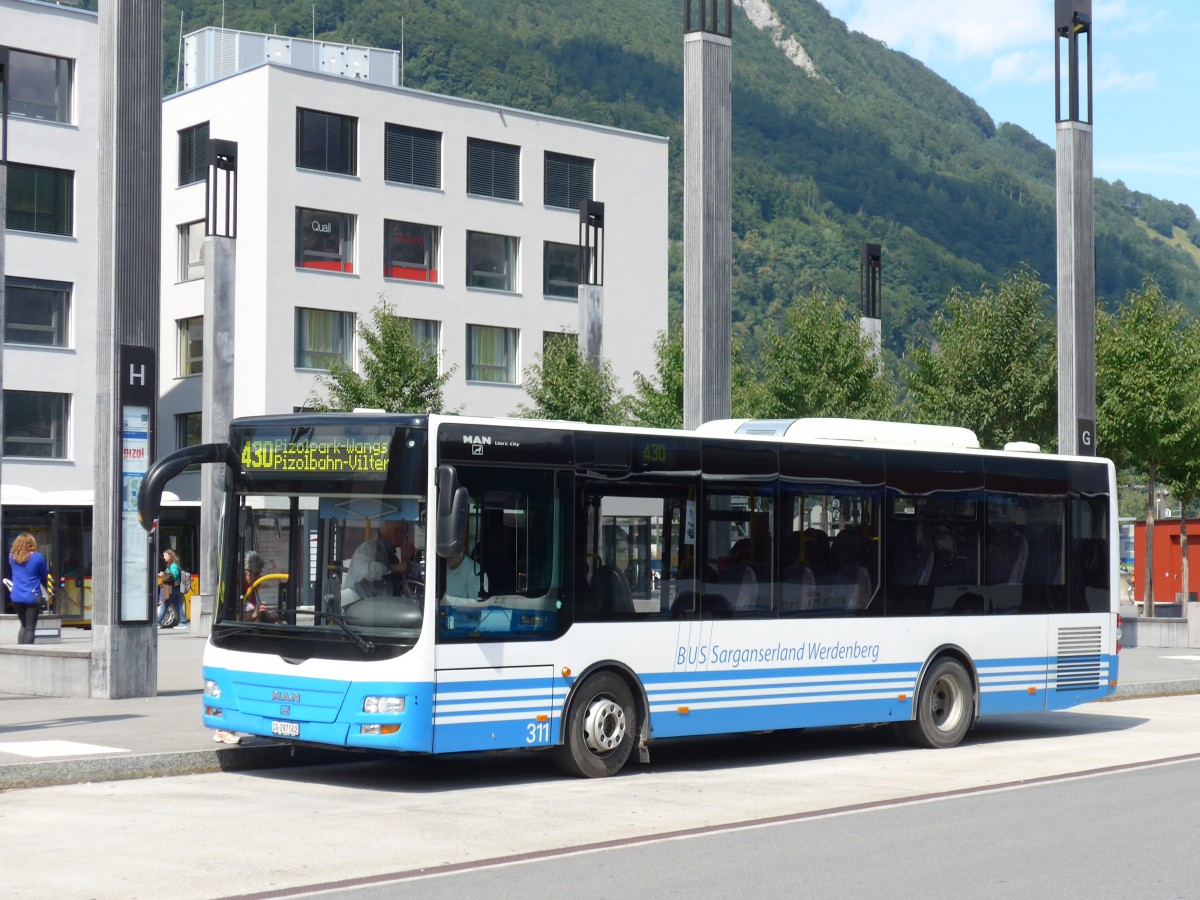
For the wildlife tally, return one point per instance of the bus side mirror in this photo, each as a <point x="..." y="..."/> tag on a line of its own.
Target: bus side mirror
<point x="149" y="498"/>
<point x="453" y="502"/>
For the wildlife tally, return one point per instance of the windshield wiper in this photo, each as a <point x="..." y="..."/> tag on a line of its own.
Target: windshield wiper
<point x="232" y="627"/>
<point x="340" y="620"/>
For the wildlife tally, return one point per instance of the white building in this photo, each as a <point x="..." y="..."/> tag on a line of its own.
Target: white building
<point x="463" y="215"/>
<point x="49" y="267"/>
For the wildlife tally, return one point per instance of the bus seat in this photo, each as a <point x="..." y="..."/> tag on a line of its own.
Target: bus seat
<point x="711" y="606"/>
<point x="814" y="551"/>
<point x="855" y="582"/>
<point x="739" y="586"/>
<point x="1008" y="553"/>
<point x="798" y="590"/>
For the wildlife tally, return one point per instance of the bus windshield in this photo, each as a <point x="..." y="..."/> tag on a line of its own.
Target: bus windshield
<point x="328" y="561"/>
<point x="323" y="533"/>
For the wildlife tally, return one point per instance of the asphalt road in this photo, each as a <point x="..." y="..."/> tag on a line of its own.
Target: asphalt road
<point x="1081" y="838"/>
<point x="276" y="832"/>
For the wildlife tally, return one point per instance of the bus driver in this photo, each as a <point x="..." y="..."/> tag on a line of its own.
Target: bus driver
<point x="463" y="578"/>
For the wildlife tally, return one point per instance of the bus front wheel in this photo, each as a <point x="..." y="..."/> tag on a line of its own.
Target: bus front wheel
<point x="945" y="705"/>
<point x="600" y="728"/>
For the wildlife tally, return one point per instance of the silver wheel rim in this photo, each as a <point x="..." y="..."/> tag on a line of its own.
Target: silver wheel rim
<point x="946" y="701"/>
<point x="604" y="725"/>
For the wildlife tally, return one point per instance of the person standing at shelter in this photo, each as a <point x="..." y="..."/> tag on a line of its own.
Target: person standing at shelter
<point x="171" y="575"/>
<point x="29" y="573"/>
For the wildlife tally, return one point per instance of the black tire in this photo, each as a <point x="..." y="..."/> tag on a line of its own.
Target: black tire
<point x="599" y="730"/>
<point x="945" y="707"/>
<point x="170" y="618"/>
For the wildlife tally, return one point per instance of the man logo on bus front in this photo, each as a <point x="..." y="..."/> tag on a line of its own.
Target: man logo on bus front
<point x="477" y="443"/>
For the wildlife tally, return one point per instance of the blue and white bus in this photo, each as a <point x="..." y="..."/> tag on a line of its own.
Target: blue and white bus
<point x="589" y="590"/>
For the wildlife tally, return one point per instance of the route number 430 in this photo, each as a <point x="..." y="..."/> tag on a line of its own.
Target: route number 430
<point x="537" y="733"/>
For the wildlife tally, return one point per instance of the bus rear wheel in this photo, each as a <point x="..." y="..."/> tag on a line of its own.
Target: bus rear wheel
<point x="945" y="704"/>
<point x="600" y="728"/>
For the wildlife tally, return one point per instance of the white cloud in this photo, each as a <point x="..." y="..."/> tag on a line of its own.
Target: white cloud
<point x="933" y="29"/>
<point x="1107" y="75"/>
<point x="1022" y="66"/>
<point x="1183" y="163"/>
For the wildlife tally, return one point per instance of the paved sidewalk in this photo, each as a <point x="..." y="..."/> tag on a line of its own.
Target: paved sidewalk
<point x="56" y="740"/>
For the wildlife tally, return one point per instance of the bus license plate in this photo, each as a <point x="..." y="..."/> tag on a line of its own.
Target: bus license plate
<point x="286" y="729"/>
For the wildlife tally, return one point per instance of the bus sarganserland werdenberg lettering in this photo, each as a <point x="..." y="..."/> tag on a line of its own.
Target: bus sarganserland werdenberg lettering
<point x="442" y="584"/>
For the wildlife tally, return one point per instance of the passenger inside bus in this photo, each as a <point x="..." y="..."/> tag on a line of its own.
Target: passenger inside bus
<point x="602" y="592"/>
<point x="380" y="565"/>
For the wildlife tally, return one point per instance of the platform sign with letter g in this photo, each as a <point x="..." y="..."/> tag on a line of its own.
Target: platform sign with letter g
<point x="1087" y="437"/>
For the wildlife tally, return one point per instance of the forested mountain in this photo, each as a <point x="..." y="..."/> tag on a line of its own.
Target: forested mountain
<point x="850" y="142"/>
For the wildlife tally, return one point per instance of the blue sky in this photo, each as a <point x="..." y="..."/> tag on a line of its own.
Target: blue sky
<point x="1001" y="53"/>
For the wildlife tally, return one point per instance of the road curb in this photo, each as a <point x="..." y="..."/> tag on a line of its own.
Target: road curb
<point x="50" y="773"/>
<point x="1155" y="689"/>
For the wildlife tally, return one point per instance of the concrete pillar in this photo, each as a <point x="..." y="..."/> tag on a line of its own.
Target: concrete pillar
<point x="220" y="271"/>
<point x="591" y="322"/>
<point x="3" y="228"/>
<point x="707" y="217"/>
<point x="1076" y="291"/>
<point x="1076" y="230"/>
<point x="124" y="636"/>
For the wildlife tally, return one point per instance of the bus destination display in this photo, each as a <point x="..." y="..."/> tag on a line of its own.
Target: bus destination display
<point x="342" y="454"/>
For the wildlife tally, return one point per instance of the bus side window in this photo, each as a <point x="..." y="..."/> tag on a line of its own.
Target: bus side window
<point x="628" y="548"/>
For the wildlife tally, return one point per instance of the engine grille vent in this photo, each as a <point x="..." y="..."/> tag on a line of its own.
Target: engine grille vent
<point x="1079" y="660"/>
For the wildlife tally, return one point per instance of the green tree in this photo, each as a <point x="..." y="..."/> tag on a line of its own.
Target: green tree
<point x="657" y="402"/>
<point x="993" y="364"/>
<point x="399" y="372"/>
<point x="818" y="364"/>
<point x="564" y="384"/>
<point x="1148" y="396"/>
<point x="1182" y="478"/>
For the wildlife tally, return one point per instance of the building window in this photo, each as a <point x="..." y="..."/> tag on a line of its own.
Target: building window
<point x="492" y="261"/>
<point x="191" y="247"/>
<point x="191" y="346"/>
<point x="39" y="87"/>
<point x="428" y="335"/>
<point x="493" y="170"/>
<point x="188" y="430"/>
<point x="323" y="335"/>
<point x="410" y="251"/>
<point x="492" y="354"/>
<point x="568" y="180"/>
<point x="35" y="424"/>
<point x="324" y="240"/>
<point x="326" y="142"/>
<point x="193" y="154"/>
<point x="36" y="312"/>
<point x="560" y="270"/>
<point x="40" y="199"/>
<point x="412" y="156"/>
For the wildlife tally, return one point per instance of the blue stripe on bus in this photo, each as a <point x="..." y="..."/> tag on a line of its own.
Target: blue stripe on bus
<point x="526" y="712"/>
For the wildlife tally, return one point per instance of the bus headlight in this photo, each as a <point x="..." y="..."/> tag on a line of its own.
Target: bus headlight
<point x="388" y="706"/>
<point x="212" y="689"/>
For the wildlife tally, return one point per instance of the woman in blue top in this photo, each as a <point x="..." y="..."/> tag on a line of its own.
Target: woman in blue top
<point x="171" y="594"/>
<point x="29" y="574"/>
